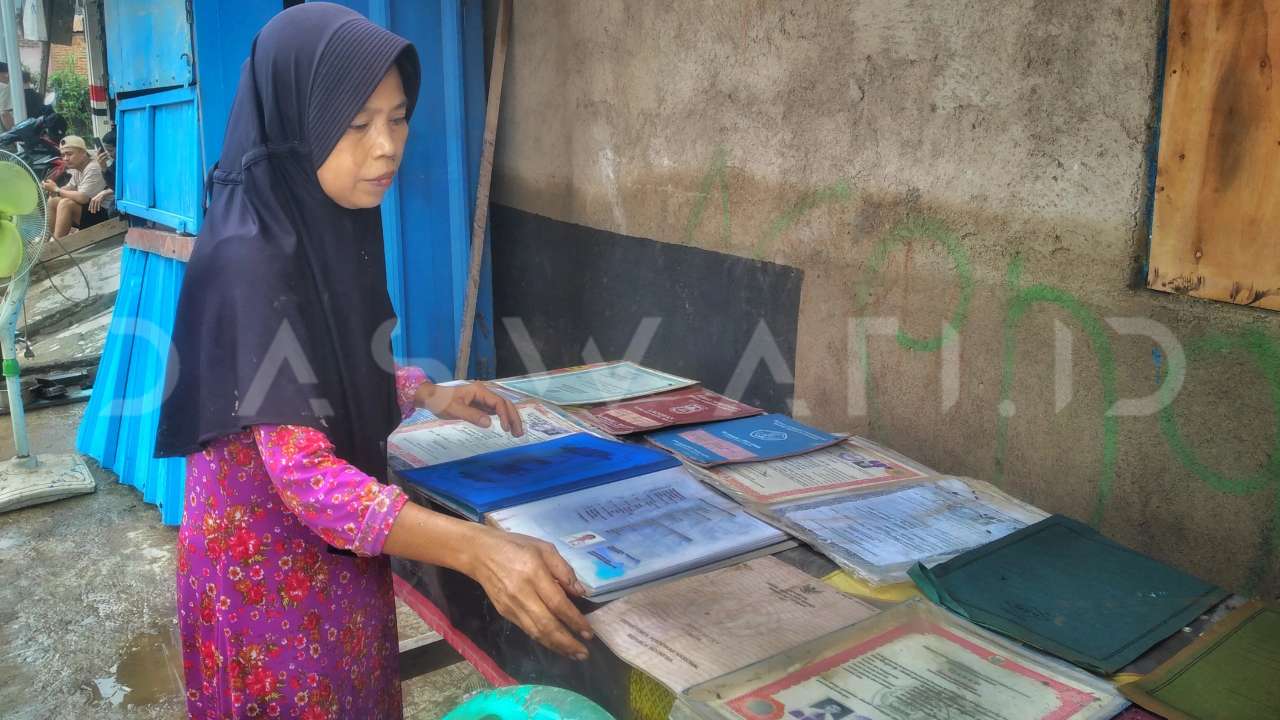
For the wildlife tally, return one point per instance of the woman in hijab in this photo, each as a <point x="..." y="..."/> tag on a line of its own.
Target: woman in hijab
<point x="283" y="394"/>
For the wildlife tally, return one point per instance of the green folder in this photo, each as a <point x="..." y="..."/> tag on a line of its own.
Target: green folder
<point x="1060" y="586"/>
<point x="1231" y="673"/>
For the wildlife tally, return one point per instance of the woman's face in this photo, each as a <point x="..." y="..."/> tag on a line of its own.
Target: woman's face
<point x="359" y="170"/>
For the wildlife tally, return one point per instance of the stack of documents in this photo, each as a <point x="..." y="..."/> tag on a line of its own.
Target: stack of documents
<point x="750" y="439"/>
<point x="692" y="630"/>
<point x="911" y="661"/>
<point x="854" y="464"/>
<point x="647" y="528"/>
<point x="478" y="484"/>
<point x="880" y="534"/>
<point x="678" y="407"/>
<point x="1060" y="586"/>
<point x="599" y="383"/>
<point x="1232" y="672"/>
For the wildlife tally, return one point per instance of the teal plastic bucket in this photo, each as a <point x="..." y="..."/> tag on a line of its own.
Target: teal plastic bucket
<point x="528" y="702"/>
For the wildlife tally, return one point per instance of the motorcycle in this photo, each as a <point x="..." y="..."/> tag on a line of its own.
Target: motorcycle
<point x="35" y="140"/>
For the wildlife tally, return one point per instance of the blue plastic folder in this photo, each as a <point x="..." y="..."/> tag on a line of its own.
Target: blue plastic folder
<point x="750" y="439"/>
<point x="501" y="479"/>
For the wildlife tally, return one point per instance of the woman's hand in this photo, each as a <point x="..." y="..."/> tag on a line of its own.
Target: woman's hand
<point x="473" y="402"/>
<point x="526" y="580"/>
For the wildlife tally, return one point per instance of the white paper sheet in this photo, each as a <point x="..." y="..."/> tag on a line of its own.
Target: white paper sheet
<point x="641" y="529"/>
<point x="880" y="534"/>
<point x="437" y="441"/>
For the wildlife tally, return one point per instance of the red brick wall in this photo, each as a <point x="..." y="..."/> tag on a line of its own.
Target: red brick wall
<point x="76" y="50"/>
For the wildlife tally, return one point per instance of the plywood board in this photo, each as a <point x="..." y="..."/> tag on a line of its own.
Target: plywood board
<point x="1216" y="230"/>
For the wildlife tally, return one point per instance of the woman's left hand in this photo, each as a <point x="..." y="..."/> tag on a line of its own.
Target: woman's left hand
<point x="473" y="402"/>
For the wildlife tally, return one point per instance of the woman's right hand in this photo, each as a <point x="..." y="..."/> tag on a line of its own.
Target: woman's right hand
<point x="526" y="579"/>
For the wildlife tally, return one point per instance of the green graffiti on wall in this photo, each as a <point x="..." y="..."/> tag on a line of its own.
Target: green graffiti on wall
<point x="1264" y="351"/>
<point x="1020" y="300"/>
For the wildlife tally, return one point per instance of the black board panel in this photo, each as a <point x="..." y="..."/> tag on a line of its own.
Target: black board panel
<point x="708" y="315"/>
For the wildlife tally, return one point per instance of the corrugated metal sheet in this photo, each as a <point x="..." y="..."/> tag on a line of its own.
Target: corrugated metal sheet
<point x="427" y="213"/>
<point x="119" y="424"/>
<point x="148" y="44"/>
<point x="160" y="176"/>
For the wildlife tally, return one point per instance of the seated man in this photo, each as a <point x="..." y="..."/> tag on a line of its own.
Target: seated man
<point x="68" y="204"/>
<point x="105" y="201"/>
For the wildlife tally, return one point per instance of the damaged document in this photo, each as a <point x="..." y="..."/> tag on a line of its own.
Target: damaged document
<point x="698" y="628"/>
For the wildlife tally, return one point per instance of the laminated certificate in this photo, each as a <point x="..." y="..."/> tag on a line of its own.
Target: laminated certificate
<point x="438" y="441"/>
<point x="881" y="533"/>
<point x="910" y="662"/>
<point x="605" y="382"/>
<point x="855" y="463"/>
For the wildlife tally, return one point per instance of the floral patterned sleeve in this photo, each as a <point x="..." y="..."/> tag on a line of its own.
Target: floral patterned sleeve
<point x="345" y="507"/>
<point x="408" y="380"/>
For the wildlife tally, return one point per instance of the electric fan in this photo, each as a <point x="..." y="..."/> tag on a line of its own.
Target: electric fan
<point x="25" y="479"/>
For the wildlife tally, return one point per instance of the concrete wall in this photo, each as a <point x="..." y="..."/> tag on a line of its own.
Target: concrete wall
<point x="980" y="164"/>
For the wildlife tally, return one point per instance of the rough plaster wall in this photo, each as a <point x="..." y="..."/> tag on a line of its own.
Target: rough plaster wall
<point x="980" y="162"/>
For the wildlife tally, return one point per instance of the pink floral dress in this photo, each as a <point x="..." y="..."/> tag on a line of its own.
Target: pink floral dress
<point x="273" y="623"/>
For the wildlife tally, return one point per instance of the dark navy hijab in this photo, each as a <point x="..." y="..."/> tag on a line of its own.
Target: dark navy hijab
<point x="283" y="317"/>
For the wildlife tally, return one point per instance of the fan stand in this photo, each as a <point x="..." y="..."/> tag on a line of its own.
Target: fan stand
<point x="25" y="479"/>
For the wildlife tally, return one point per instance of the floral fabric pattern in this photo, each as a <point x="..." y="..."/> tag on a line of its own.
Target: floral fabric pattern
<point x="273" y="622"/>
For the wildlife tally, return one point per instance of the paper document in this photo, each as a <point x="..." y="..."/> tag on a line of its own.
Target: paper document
<point x="880" y="535"/>
<point x="910" y="662"/>
<point x="678" y="407"/>
<point x="437" y="441"/>
<point x="854" y="463"/>
<point x="642" y="529"/>
<point x="691" y="630"/>
<point x="1060" y="586"/>
<point x="592" y="384"/>
<point x="749" y="439"/>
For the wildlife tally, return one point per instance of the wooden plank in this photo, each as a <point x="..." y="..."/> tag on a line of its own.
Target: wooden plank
<point x="481" y="217"/>
<point x="160" y="242"/>
<point x="1216" y="230"/>
<point x="82" y="239"/>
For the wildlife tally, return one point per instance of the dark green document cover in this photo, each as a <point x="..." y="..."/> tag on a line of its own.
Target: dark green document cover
<point x="1060" y="586"/>
<point x="1232" y="673"/>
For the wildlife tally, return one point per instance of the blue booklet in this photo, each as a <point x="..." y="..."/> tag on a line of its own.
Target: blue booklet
<point x="500" y="479"/>
<point x="750" y="439"/>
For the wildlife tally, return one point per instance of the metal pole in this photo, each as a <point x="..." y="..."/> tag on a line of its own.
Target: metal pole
<point x="13" y="383"/>
<point x="13" y="57"/>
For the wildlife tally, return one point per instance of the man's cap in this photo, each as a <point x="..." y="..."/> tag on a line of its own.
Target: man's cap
<point x="74" y="141"/>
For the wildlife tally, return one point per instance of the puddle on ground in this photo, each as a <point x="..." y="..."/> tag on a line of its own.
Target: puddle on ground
<point x="149" y="672"/>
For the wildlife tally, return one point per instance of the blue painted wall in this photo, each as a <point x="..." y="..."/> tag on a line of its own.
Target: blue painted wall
<point x="159" y="175"/>
<point x="148" y="44"/>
